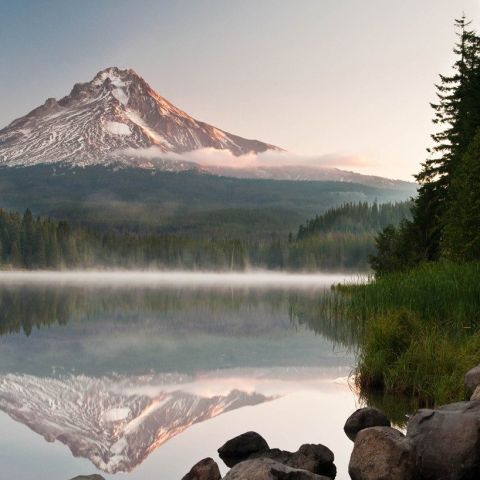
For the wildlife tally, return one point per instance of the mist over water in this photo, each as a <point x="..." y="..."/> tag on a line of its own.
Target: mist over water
<point x="147" y="278"/>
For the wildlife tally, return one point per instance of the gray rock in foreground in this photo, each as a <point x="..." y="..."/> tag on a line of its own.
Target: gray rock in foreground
<point x="472" y="379"/>
<point x="206" y="469"/>
<point x="242" y="447"/>
<point x="316" y="459"/>
<point x="364" y="418"/>
<point x="382" y="453"/>
<point x="268" y="469"/>
<point x="447" y="441"/>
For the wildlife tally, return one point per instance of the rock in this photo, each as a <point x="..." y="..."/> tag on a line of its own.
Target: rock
<point x="313" y="458"/>
<point x="95" y="476"/>
<point x="382" y="453"/>
<point x="268" y="469"/>
<point x="476" y="394"/>
<point x="240" y="448"/>
<point x="472" y="379"/>
<point x="447" y="441"/>
<point x="206" y="469"/>
<point x="364" y="418"/>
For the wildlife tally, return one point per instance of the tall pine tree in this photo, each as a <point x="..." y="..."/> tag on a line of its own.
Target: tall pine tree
<point x="457" y="113"/>
<point x="461" y="239"/>
<point x="457" y="116"/>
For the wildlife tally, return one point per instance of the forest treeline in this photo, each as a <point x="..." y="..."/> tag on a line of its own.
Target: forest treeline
<point x="445" y="220"/>
<point x="39" y="243"/>
<point x="344" y="237"/>
<point x="362" y="217"/>
<point x="341" y="238"/>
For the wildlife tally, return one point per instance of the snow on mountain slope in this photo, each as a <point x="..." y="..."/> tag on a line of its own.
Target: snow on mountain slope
<point x="109" y="420"/>
<point x="116" y="111"/>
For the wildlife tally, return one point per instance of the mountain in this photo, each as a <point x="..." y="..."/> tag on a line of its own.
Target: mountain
<point x="109" y="420"/>
<point x="107" y="120"/>
<point x="117" y="119"/>
<point x="115" y="154"/>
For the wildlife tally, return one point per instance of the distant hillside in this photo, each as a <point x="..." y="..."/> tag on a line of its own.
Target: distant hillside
<point x="191" y="203"/>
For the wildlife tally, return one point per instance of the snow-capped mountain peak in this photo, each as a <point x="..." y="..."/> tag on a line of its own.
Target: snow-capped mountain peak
<point x="115" y="112"/>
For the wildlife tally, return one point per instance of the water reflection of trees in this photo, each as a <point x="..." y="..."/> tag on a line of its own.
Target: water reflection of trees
<point x="323" y="313"/>
<point x="23" y="309"/>
<point x="241" y="312"/>
<point x="163" y="330"/>
<point x="27" y="307"/>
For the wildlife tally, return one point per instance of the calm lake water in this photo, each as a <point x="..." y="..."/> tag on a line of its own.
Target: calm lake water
<point x="138" y="376"/>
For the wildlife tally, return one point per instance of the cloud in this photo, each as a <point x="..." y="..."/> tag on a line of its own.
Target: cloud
<point x="211" y="158"/>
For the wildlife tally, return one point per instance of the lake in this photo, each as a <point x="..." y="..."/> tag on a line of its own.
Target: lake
<point x="139" y="375"/>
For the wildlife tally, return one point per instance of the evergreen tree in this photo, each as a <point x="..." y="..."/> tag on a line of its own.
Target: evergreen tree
<point x="457" y="114"/>
<point x="27" y="239"/>
<point x="462" y="220"/>
<point x="15" y="255"/>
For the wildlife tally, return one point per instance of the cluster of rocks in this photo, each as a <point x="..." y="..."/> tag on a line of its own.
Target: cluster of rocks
<point x="439" y="444"/>
<point x="250" y="458"/>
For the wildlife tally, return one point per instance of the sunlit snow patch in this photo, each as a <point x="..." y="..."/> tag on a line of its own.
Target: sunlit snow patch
<point x="120" y="95"/>
<point x="118" y="128"/>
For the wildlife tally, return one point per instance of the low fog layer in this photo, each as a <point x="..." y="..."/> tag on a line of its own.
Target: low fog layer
<point x="211" y="157"/>
<point x="177" y="278"/>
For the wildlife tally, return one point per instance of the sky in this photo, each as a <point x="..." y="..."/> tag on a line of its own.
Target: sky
<point x="346" y="79"/>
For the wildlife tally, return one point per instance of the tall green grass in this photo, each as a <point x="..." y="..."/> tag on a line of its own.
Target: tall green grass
<point x="445" y="293"/>
<point x="420" y="330"/>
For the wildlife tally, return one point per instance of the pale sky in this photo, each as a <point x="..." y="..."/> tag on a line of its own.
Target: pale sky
<point x="351" y="78"/>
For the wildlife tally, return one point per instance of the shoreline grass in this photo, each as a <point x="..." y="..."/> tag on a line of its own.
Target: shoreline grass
<point x="419" y="330"/>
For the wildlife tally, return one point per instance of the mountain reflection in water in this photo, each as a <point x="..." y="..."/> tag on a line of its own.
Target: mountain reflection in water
<point x="105" y="419"/>
<point x="115" y="371"/>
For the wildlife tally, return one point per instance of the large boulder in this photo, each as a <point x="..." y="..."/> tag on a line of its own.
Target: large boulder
<point x="447" y="441"/>
<point x="206" y="469"/>
<point x="240" y="448"/>
<point x="382" y="453"/>
<point x="268" y="469"/>
<point x="364" y="418"/>
<point x="472" y="379"/>
<point x="317" y="459"/>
